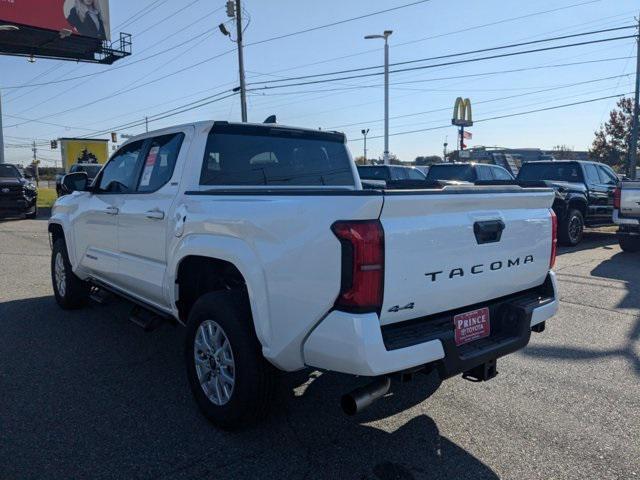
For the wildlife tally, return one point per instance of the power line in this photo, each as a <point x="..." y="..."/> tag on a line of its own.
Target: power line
<point x="450" y="55"/>
<point x="140" y="14"/>
<point x="333" y="24"/>
<point x="456" y="62"/>
<point x="499" y="117"/>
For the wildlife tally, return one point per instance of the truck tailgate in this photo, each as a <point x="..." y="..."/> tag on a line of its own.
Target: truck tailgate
<point x="443" y="250"/>
<point x="630" y="199"/>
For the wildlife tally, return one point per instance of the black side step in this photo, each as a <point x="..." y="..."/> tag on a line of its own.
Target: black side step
<point x="145" y="319"/>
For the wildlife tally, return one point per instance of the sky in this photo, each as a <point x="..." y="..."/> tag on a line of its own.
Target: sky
<point x="179" y="40"/>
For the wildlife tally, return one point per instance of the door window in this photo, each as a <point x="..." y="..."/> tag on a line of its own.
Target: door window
<point x="399" y="173"/>
<point x="160" y="162"/>
<point x="592" y="174"/>
<point x="501" y="174"/>
<point x="415" y="174"/>
<point x="607" y="177"/>
<point x="120" y="174"/>
<point x="484" y="172"/>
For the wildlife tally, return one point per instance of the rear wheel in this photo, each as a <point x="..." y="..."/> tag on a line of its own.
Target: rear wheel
<point x="572" y="229"/>
<point x="231" y="381"/>
<point x="69" y="290"/>
<point x="629" y="244"/>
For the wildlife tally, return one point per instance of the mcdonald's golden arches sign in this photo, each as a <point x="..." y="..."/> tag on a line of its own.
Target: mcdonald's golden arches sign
<point x="462" y="114"/>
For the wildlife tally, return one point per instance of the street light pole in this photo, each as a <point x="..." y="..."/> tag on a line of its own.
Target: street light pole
<point x="364" y="134"/>
<point x="385" y="36"/>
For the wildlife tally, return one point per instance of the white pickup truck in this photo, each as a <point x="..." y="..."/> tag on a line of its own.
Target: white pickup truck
<point x="261" y="240"/>
<point x="626" y="214"/>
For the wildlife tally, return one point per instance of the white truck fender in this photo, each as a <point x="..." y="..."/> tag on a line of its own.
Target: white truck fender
<point x="236" y="252"/>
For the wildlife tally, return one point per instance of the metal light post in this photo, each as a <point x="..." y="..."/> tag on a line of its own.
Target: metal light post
<point x="633" y="144"/>
<point x="4" y="28"/>
<point x="364" y="134"/>
<point x="385" y="36"/>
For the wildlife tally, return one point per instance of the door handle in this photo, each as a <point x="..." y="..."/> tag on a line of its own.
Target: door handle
<point x="112" y="210"/>
<point x="155" y="214"/>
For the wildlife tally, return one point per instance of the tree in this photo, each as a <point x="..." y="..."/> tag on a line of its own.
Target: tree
<point x="563" y="152"/>
<point x="360" y="160"/>
<point x="428" y="160"/>
<point x="611" y="142"/>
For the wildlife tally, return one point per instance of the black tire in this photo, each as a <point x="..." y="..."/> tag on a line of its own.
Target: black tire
<point x="252" y="392"/>
<point x="33" y="215"/>
<point x="75" y="292"/>
<point x="571" y="230"/>
<point x="629" y="244"/>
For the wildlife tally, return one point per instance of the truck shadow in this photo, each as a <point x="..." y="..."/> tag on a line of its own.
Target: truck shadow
<point x="592" y="239"/>
<point x="86" y="394"/>
<point x="622" y="267"/>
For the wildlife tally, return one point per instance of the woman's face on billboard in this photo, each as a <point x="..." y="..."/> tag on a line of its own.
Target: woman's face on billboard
<point x="88" y="3"/>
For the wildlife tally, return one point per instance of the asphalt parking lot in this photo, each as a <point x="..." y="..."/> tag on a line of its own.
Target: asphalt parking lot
<point x="87" y="394"/>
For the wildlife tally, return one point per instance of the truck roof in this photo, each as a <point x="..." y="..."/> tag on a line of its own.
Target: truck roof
<point x="208" y="124"/>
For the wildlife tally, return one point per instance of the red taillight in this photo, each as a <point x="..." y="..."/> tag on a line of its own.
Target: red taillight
<point x="554" y="239"/>
<point x="617" y="194"/>
<point x="362" y="265"/>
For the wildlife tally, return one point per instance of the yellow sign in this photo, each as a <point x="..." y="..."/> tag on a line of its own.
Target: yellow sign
<point x="462" y="114"/>
<point x="79" y="150"/>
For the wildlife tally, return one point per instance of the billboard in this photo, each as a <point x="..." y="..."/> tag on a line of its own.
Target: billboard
<point x="86" y="18"/>
<point x="80" y="150"/>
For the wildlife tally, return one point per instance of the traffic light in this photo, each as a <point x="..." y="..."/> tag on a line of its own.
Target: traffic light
<point x="114" y="137"/>
<point x="231" y="9"/>
<point x="54" y="144"/>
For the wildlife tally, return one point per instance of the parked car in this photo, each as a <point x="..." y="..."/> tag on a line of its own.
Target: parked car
<point x="91" y="169"/>
<point x="262" y="242"/>
<point x="389" y="173"/>
<point x="18" y="194"/>
<point x="584" y="194"/>
<point x="626" y="215"/>
<point x="468" y="172"/>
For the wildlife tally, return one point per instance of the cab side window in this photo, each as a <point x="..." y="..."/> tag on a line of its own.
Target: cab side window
<point x="414" y="174"/>
<point x="121" y="173"/>
<point x="501" y="174"/>
<point x="159" y="162"/>
<point x="607" y="177"/>
<point x="592" y="174"/>
<point x="483" y="172"/>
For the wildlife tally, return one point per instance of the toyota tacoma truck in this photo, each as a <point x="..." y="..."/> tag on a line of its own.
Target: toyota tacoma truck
<point x="261" y="241"/>
<point x="626" y="215"/>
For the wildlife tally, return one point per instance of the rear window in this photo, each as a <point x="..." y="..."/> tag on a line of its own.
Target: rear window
<point x="563" y="172"/>
<point x="275" y="156"/>
<point x="374" y="173"/>
<point x="463" y="173"/>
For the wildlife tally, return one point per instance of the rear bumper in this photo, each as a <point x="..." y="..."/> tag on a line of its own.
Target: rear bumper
<point x="628" y="226"/>
<point x="357" y="344"/>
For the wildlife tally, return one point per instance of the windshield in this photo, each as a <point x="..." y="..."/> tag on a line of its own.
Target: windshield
<point x="9" y="171"/>
<point x="563" y="172"/>
<point x="374" y="173"/>
<point x="460" y="172"/>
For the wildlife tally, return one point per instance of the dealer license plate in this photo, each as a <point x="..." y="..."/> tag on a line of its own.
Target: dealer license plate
<point x="470" y="326"/>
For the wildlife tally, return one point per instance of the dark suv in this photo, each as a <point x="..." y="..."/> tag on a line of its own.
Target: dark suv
<point x="584" y="194"/>
<point x="18" y="195"/>
<point x="389" y="173"/>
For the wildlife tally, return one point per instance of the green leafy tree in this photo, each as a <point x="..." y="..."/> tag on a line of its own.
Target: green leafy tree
<point x="611" y="142"/>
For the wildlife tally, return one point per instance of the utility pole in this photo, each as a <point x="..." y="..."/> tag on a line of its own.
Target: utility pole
<point x="365" y="132"/>
<point x="35" y="162"/>
<point x="1" y="135"/>
<point x="146" y="124"/>
<point x="444" y="150"/>
<point x="633" y="144"/>
<point x="243" y="87"/>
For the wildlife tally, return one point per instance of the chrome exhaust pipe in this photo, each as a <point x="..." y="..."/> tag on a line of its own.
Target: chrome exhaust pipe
<point x="362" y="397"/>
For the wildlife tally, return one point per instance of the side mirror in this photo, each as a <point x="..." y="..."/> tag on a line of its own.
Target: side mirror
<point x="75" y="182"/>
